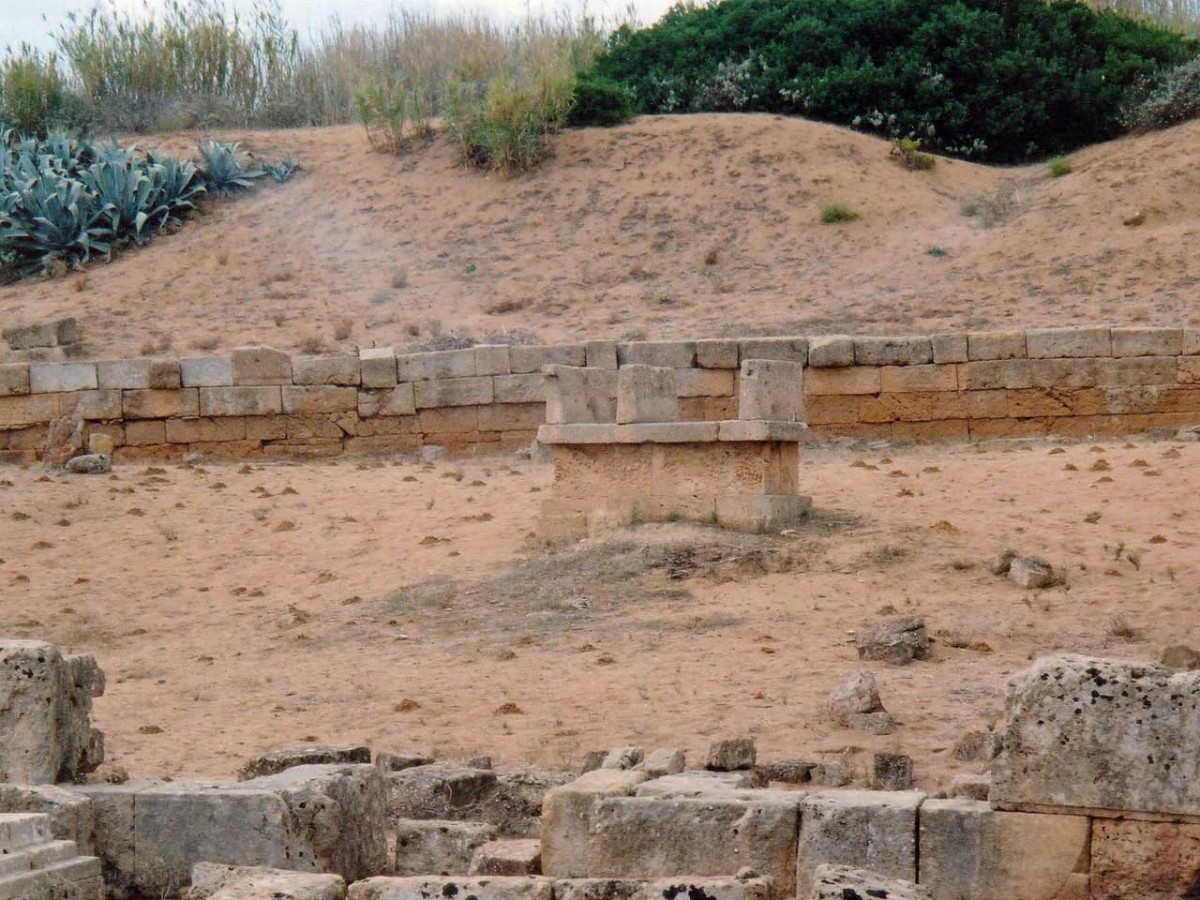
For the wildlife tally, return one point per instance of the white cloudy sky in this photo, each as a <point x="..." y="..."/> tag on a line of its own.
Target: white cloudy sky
<point x="33" y="20"/>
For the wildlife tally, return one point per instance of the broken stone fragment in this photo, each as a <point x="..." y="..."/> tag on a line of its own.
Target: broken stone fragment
<point x="663" y="762"/>
<point x="788" y="771"/>
<point x="891" y="772"/>
<point x="1180" y="657"/>
<point x="731" y="754"/>
<point x="896" y="639"/>
<point x="89" y="464"/>
<point x="879" y="722"/>
<point x="275" y="761"/>
<point x="397" y="762"/>
<point x="846" y="883"/>
<point x="623" y="758"/>
<point x="1031" y="572"/>
<point x="214" y="881"/>
<point x="519" y="857"/>
<point x="857" y="694"/>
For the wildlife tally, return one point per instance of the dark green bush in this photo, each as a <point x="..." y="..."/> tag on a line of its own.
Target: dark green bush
<point x="31" y="91"/>
<point x="996" y="80"/>
<point x="1171" y="98"/>
<point x="600" y="101"/>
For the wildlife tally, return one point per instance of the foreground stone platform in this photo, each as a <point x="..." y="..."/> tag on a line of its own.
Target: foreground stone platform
<point x="34" y="866"/>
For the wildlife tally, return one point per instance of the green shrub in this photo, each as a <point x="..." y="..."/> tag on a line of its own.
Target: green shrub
<point x="600" y="101"/>
<point x="1170" y="99"/>
<point x="836" y="211"/>
<point x="31" y="92"/>
<point x="908" y="151"/>
<point x="393" y="114"/>
<point x="996" y="80"/>
<point x="1059" y="166"/>
<point x="224" y="170"/>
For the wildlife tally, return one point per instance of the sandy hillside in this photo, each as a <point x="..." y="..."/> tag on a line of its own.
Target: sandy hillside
<point x="238" y="608"/>
<point x="667" y="227"/>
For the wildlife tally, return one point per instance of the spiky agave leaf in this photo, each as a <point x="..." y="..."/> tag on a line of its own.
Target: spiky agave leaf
<point x="222" y="168"/>
<point x="56" y="219"/>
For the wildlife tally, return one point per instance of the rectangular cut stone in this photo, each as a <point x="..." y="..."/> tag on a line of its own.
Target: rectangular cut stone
<point x="901" y="379"/>
<point x="528" y="358"/>
<point x="53" y="378"/>
<point x="194" y="431"/>
<point x="761" y="514"/>
<point x="997" y="374"/>
<point x="970" y="852"/>
<point x="436" y="364"/>
<point x="455" y="887"/>
<point x="437" y="846"/>
<point x="145" y="433"/>
<point x="771" y="390"/>
<point x="949" y="348"/>
<point x="206" y="371"/>
<point x="1146" y="860"/>
<point x="646" y="394"/>
<point x="711" y="888"/>
<point x="850" y="380"/>
<point x="704" y="382"/>
<point x="970" y="405"/>
<point x="453" y="392"/>
<point x="983" y="345"/>
<point x="14" y="379"/>
<point x="1061" y="343"/>
<point x="1100" y="737"/>
<point x="449" y="420"/>
<point x="512" y="417"/>
<point x="492" y="359"/>
<point x="325" y="399"/>
<point x="791" y="349"/>
<point x="145" y="374"/>
<point x="913" y="407"/>
<point x="1191" y="342"/>
<point x="32" y="410"/>
<point x="241" y="401"/>
<point x="322" y="370"/>
<point x="741" y="430"/>
<point x="893" y="351"/>
<point x="600" y="354"/>
<point x="875" y="830"/>
<point x="519" y="388"/>
<point x="831" y="351"/>
<point x="1147" y="341"/>
<point x="377" y="367"/>
<point x="667" y="432"/>
<point x="261" y="365"/>
<point x="1135" y="371"/>
<point x="160" y="404"/>
<point x="43" y="334"/>
<point x="1063" y="373"/>
<point x="568" y="813"/>
<point x="578" y="434"/>
<point x="717" y="354"/>
<point x="92" y="405"/>
<point x="1188" y="370"/>
<point x="657" y="354"/>
<point x="398" y="401"/>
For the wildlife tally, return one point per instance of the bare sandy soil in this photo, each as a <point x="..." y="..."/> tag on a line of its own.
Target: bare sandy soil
<point x="405" y="605"/>
<point x="677" y="226"/>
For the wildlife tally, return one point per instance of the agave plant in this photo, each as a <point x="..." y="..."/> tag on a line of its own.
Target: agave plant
<point x="223" y="170"/>
<point x="56" y="219"/>
<point x="126" y="197"/>
<point x="283" y="170"/>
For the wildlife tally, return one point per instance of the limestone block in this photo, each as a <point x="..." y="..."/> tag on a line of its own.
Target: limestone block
<point x="492" y="359"/>
<point x="1102" y="736"/>
<point x="511" y="857"/>
<point x="72" y="817"/>
<point x="512" y="417"/>
<point x="37" y="409"/>
<point x="657" y="354"/>
<point x="139" y="374"/>
<point x="1147" y="341"/>
<point x="160" y="404"/>
<point x="92" y="405"/>
<point x="849" y="883"/>
<point x="377" y="367"/>
<point x="735" y="430"/>
<point x="320" y="370"/>
<point x="453" y="886"/>
<point x="43" y="334"/>
<point x="52" y="378"/>
<point x="623" y="758"/>
<point x="241" y="401"/>
<point x="600" y="354"/>
<point x="568" y="814"/>
<point x="893" y="351"/>
<point x="668" y="433"/>
<point x="438" y="846"/>
<point x="762" y="514"/>
<point x="577" y="395"/>
<point x="891" y="772"/>
<point x="1067" y="343"/>
<point x="261" y="365"/>
<point x="45" y="714"/>
<point x="214" y="881"/>
<point x="1008" y="374"/>
<point x="949" y="348"/>
<point x="389" y="761"/>
<point x="1188" y="371"/>
<point x="577" y="434"/>
<point x="694" y="888"/>
<point x="145" y="434"/>
<point x="515" y="806"/>
<point x="646" y="394"/>
<point x="664" y="761"/>
<point x="314" y="400"/>
<point x="1146" y="860"/>
<point x="441" y="392"/>
<point x="717" y="354"/>
<point x="519" y="388"/>
<point x="905" y="379"/>
<point x="697" y="783"/>
<point x="533" y="358"/>
<point x="438" y="791"/>
<point x="705" y="382"/>
<point x="894" y="639"/>
<point x="650" y="837"/>
<point x="970" y="786"/>
<point x="1135" y="371"/>
<point x="771" y="390"/>
<point x="790" y="349"/>
<point x="731" y="754"/>
<point x="196" y="430"/>
<point x="1191" y="342"/>
<point x="397" y="401"/>
<point x="850" y="380"/>
<point x="14" y="379"/>
<point x="987" y="345"/>
<point x="206" y="371"/>
<point x="831" y="351"/>
<point x="875" y="830"/>
<point x="970" y="852"/>
<point x="275" y="761"/>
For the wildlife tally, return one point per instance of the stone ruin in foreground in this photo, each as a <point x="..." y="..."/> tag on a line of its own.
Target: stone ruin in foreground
<point x="1094" y="795"/>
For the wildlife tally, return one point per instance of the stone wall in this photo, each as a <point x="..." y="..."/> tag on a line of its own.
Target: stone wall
<point x="1074" y="382"/>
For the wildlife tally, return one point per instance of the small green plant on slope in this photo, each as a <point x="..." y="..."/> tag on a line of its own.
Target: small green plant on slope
<point x="908" y="152"/>
<point x="1059" y="166"/>
<point x="394" y="114"/>
<point x="836" y="211"/>
<point x="224" y="170"/>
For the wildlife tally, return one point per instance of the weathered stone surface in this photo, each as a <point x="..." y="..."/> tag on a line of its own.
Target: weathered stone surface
<point x="1179" y="656"/>
<point x="511" y="857"/>
<point x="89" y="464"/>
<point x="949" y="348"/>
<point x="970" y="852"/>
<point x="893" y="351"/>
<point x="274" y="761"/>
<point x="680" y="888"/>
<point x="970" y="786"/>
<point x="878" y="722"/>
<point x="891" y="772"/>
<point x="857" y="694"/>
<point x="831" y="351"/>
<point x="438" y="846"/>
<point x="657" y="354"/>
<point x="1068" y="343"/>
<point x="529" y="388"/>
<point x="662" y="762"/>
<point x="731" y="754"/>
<point x="699" y="783"/>
<point x="1031" y="572"/>
<point x="72" y="817"/>
<point x="848" y="883"/>
<point x="451" y="887"/>
<point x="265" y="400"/>
<point x="45" y="714"/>
<point x="526" y="358"/>
<point x="600" y="354"/>
<point x="875" y="830"/>
<point x="895" y="639"/>
<point x="771" y="390"/>
<point x="43" y="334"/>
<point x="206" y="371"/>
<point x="441" y="392"/>
<point x="316" y="399"/>
<point x="830" y="774"/>
<point x="319" y="370"/>
<point x="1146" y="860"/>
<point x="623" y="758"/>
<point x="788" y="771"/>
<point x="515" y="806"/>
<point x="436" y="364"/>
<point x="54" y="378"/>
<point x="34" y="866"/>
<point x="1109" y="737"/>
<point x="989" y="345"/>
<point x="667" y="433"/>
<point x="492" y="359"/>
<point x="214" y="881"/>
<point x="389" y="761"/>
<point x="1147" y="341"/>
<point x="261" y="365"/>
<point x="438" y="791"/>
<point x="139" y="374"/>
<point x="14" y="379"/>
<point x="646" y="394"/>
<point x="717" y="354"/>
<point x="377" y="367"/>
<point x="791" y="349"/>
<point x="568" y="813"/>
<point x="580" y="396"/>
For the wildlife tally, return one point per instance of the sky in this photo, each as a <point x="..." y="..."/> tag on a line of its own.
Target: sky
<point x="34" y="20"/>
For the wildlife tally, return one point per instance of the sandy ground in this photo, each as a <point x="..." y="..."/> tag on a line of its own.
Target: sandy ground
<point x="404" y="604"/>
<point x="677" y="226"/>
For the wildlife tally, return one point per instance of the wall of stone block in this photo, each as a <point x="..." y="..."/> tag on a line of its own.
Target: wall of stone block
<point x="258" y="402"/>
